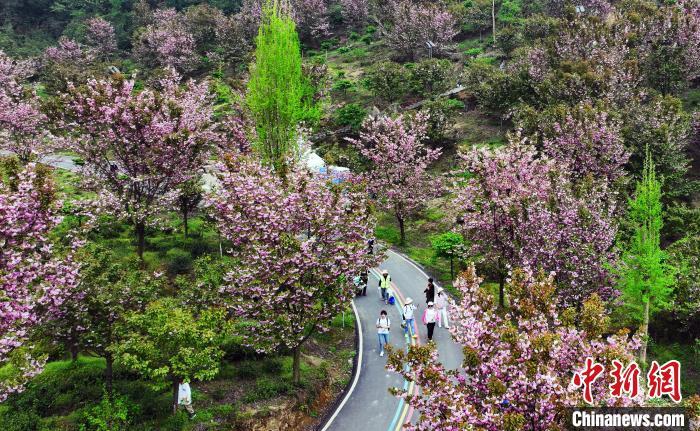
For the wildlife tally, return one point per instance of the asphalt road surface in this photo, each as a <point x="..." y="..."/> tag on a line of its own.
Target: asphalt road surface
<point x="369" y="406"/>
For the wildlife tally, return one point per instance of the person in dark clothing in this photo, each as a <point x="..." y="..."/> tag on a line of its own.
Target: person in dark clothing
<point x="363" y="280"/>
<point x="430" y="291"/>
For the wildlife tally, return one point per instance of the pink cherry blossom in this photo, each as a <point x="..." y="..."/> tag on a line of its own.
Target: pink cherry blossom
<point x="33" y="279"/>
<point x="518" y="364"/>
<point x="400" y="159"/>
<point x="298" y="244"/>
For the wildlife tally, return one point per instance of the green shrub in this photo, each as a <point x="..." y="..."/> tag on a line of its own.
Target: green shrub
<point x="447" y="245"/>
<point x="367" y="39"/>
<point x="510" y="11"/>
<point x="440" y="112"/>
<point x="474" y="52"/>
<point x="108" y="415"/>
<point x="343" y="85"/>
<point x="329" y="44"/>
<point x="387" y="80"/>
<point x="63" y="385"/>
<point x="509" y="38"/>
<point x="354" y="36"/>
<point x="19" y="420"/>
<point x="351" y="115"/>
<point x="249" y="369"/>
<point x="358" y="53"/>
<point x="431" y="76"/>
<point x="178" y="261"/>
<point x="272" y="365"/>
<point x="343" y="49"/>
<point x="267" y="387"/>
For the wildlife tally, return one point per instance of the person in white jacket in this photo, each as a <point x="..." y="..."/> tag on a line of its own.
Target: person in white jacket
<point x="430" y="317"/>
<point x="441" y="303"/>
<point x="184" y="398"/>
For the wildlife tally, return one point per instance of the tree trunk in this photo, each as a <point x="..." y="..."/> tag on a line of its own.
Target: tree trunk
<point x="185" y="217"/>
<point x="109" y="374"/>
<point x="140" y="239"/>
<point x="402" y="229"/>
<point x="176" y="383"/>
<point x="645" y="334"/>
<point x="493" y="20"/>
<point x="501" y="290"/>
<point x="73" y="347"/>
<point x="296" y="366"/>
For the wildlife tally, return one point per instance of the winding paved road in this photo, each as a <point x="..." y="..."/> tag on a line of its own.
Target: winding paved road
<point x="369" y="406"/>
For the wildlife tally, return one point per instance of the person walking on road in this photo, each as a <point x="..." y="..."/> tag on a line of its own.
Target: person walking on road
<point x="441" y="304"/>
<point x="430" y="291"/>
<point x="383" y="328"/>
<point x="363" y="280"/>
<point x="184" y="398"/>
<point x="430" y="316"/>
<point x="384" y="284"/>
<point x="409" y="320"/>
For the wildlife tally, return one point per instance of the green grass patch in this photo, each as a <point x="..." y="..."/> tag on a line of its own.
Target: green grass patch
<point x="687" y="356"/>
<point x="388" y="234"/>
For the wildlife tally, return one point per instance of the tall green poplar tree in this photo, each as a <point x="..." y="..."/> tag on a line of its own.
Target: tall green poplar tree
<point x="646" y="279"/>
<point x="277" y="86"/>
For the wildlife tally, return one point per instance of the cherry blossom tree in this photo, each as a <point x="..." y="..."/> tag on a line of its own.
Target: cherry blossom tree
<point x="586" y="139"/>
<point x="219" y="37"/>
<point x="166" y="42"/>
<point x="23" y="127"/>
<point x="668" y="40"/>
<point x="355" y="12"/>
<point x="139" y="147"/>
<point x="298" y="244"/>
<point x="518" y="364"/>
<point x="521" y="210"/>
<point x="311" y="17"/>
<point x="400" y="160"/>
<point x="67" y="50"/>
<point x="100" y="36"/>
<point x="33" y="279"/>
<point x="412" y="25"/>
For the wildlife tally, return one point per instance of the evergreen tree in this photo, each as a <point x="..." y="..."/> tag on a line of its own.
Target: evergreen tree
<point x="277" y="87"/>
<point x="646" y="279"/>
